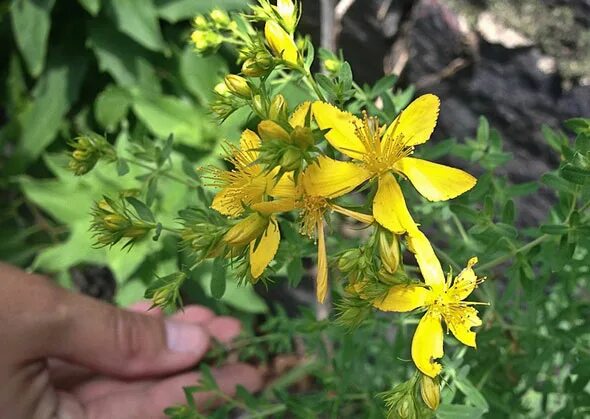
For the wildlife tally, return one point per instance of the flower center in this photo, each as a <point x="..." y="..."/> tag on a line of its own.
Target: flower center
<point x="312" y="213"/>
<point x="381" y="153"/>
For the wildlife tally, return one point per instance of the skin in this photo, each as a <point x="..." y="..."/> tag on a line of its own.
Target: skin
<point x="68" y="356"/>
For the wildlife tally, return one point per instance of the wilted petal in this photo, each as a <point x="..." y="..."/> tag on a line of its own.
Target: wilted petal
<point x="427" y="345"/>
<point x="322" y="276"/>
<point x="460" y="320"/>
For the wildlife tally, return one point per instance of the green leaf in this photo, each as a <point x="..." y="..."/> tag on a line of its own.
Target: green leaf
<point x="116" y="54"/>
<point x="201" y="74"/>
<point x="111" y="106"/>
<point x="574" y="174"/>
<point x="218" y="278"/>
<point x="31" y="22"/>
<point x="472" y="394"/>
<point x="91" y="6"/>
<point x="243" y="298"/>
<point x="165" y="115"/>
<point x="295" y="271"/>
<point x="53" y="96"/>
<point x="457" y="411"/>
<point x="556" y="229"/>
<point x="383" y="84"/>
<point x="508" y="214"/>
<point x="578" y="125"/>
<point x="139" y="20"/>
<point x="142" y="209"/>
<point x="130" y="292"/>
<point x="483" y="130"/>
<point x="176" y="10"/>
<point x="557" y="183"/>
<point x="122" y="167"/>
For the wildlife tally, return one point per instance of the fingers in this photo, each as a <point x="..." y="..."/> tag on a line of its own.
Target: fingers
<point x="123" y="343"/>
<point x="148" y="399"/>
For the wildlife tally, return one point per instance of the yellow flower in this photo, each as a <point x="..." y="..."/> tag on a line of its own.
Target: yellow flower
<point x="246" y="184"/>
<point x="281" y="43"/>
<point x="442" y="300"/>
<point x="292" y="196"/>
<point x="378" y="152"/>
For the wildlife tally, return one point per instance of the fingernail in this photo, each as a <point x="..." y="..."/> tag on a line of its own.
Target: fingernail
<point x="186" y="337"/>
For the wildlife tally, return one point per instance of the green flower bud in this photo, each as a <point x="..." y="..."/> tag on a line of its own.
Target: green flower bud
<point x="258" y="105"/>
<point x="278" y="109"/>
<point x="220" y="17"/>
<point x="270" y="130"/>
<point x="238" y="86"/>
<point x="291" y="160"/>
<point x="430" y="392"/>
<point x="302" y="137"/>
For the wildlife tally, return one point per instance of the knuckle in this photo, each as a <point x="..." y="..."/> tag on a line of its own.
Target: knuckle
<point x="129" y="331"/>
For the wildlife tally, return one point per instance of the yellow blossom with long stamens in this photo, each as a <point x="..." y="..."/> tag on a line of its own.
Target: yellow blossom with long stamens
<point x="442" y="299"/>
<point x="378" y="153"/>
<point x="292" y="196"/>
<point x="244" y="185"/>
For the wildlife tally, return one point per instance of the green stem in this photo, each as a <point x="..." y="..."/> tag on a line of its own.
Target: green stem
<point x="510" y="255"/>
<point x="311" y="81"/>
<point x="191" y="185"/>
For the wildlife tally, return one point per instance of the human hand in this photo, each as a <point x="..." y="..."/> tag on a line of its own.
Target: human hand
<point x="68" y="356"/>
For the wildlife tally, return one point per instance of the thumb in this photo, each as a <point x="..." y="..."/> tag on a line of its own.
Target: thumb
<point x="122" y="343"/>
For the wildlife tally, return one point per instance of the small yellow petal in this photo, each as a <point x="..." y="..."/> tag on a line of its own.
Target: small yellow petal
<point x="322" y="276"/>
<point x="286" y="187"/>
<point x="464" y="283"/>
<point x="297" y="118"/>
<point x="276" y="206"/>
<point x="402" y="298"/>
<point x="250" y="143"/>
<point x="342" y="126"/>
<point x="427" y="345"/>
<point x="427" y="261"/>
<point x="415" y="124"/>
<point x="460" y="321"/>
<point x="262" y="254"/>
<point x="225" y="203"/>
<point x="363" y="218"/>
<point x="332" y="178"/>
<point x="436" y="182"/>
<point x="389" y="207"/>
<point x="281" y="44"/>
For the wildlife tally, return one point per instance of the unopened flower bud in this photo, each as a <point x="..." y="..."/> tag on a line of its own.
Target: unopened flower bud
<point x="278" y="108"/>
<point x="238" y="86"/>
<point x="246" y="230"/>
<point x="200" y="22"/>
<point x="288" y="14"/>
<point x="281" y="43"/>
<point x="389" y="251"/>
<point x="270" y="130"/>
<point x="221" y="89"/>
<point x="349" y="260"/>
<point x="302" y="137"/>
<point x="205" y="40"/>
<point x="220" y="17"/>
<point x="430" y="391"/>
<point x="333" y="66"/>
<point x="258" y="105"/>
<point x="291" y="160"/>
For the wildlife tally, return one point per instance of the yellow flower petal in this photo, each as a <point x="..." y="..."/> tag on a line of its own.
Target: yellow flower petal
<point x="342" y="125"/>
<point x="297" y="118"/>
<point x="262" y="254"/>
<point x="276" y="206"/>
<point x="436" y="182"/>
<point x="427" y="260"/>
<point x="225" y="203"/>
<point x="389" y="206"/>
<point x="464" y="283"/>
<point x="363" y="218"/>
<point x="460" y="320"/>
<point x="246" y="230"/>
<point x="415" y="124"/>
<point x="280" y="42"/>
<point x="402" y="298"/>
<point x="331" y="178"/>
<point x="249" y="143"/>
<point x="427" y="345"/>
<point x="322" y="276"/>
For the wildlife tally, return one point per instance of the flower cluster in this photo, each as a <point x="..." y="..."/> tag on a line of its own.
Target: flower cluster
<point x="308" y="163"/>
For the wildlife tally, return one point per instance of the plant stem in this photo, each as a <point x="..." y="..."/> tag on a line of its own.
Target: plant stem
<point x="191" y="185"/>
<point x="510" y="255"/>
